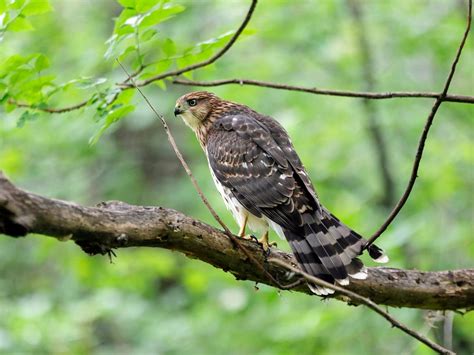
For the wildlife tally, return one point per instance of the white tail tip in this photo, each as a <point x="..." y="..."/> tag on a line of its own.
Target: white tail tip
<point x="382" y="259"/>
<point x="343" y="282"/>
<point x="320" y="291"/>
<point x="361" y="275"/>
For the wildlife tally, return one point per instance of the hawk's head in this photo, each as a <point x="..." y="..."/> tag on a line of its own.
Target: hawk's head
<point x="196" y="107"/>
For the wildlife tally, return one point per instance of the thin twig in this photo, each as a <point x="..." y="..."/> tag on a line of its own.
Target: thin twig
<point x="360" y="299"/>
<point x="185" y="165"/>
<point x="49" y="109"/>
<point x="327" y="92"/>
<point x="424" y="135"/>
<point x="448" y="329"/>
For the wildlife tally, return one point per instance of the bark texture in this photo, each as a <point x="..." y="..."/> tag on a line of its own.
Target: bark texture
<point x="114" y="224"/>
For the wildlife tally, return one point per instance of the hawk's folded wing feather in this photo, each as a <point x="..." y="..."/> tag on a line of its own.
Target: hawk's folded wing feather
<point x="245" y="158"/>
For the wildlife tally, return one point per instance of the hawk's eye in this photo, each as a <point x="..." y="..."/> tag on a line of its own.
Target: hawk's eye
<point x="192" y="102"/>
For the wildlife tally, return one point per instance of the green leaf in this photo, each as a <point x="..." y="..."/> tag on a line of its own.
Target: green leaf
<point x="124" y="16"/>
<point x="119" y="112"/>
<point x="87" y="83"/>
<point x="144" y="5"/>
<point x="20" y="24"/>
<point x="148" y="34"/>
<point x="36" y="7"/>
<point x="161" y="15"/>
<point x="127" y="3"/>
<point x="3" y="7"/>
<point x="161" y="84"/>
<point x="125" y="97"/>
<point x="168" y="47"/>
<point x="112" y="116"/>
<point x="17" y="4"/>
<point x="41" y="62"/>
<point x="26" y="116"/>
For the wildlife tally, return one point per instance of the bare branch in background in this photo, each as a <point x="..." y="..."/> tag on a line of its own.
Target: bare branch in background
<point x="327" y="92"/>
<point x="424" y="135"/>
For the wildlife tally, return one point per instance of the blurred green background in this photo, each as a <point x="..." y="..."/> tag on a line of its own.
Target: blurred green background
<point x="55" y="299"/>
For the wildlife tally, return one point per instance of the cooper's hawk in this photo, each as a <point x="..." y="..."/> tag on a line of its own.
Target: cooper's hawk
<point x="263" y="183"/>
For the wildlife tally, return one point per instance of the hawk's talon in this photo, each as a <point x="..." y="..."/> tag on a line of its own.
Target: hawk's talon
<point x="266" y="253"/>
<point x="264" y="242"/>
<point x="250" y="237"/>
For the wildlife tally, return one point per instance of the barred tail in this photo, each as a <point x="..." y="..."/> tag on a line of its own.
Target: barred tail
<point x="327" y="249"/>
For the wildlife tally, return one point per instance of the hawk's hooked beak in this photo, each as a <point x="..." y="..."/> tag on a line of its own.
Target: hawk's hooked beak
<point x="178" y="111"/>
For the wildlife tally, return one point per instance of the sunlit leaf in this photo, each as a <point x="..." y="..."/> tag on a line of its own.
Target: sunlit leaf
<point x="87" y="83"/>
<point x="160" y="15"/>
<point x="127" y="3"/>
<point x="148" y="34"/>
<point x="36" y="7"/>
<point x="41" y="62"/>
<point x="3" y="7"/>
<point x="168" y="47"/>
<point x="113" y="116"/>
<point x="20" y="24"/>
<point x="145" y="5"/>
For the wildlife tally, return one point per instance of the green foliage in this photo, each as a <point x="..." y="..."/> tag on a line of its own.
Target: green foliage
<point x="55" y="299"/>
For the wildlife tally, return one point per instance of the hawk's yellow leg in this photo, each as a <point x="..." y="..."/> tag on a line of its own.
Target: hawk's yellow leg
<point x="264" y="241"/>
<point x="242" y="228"/>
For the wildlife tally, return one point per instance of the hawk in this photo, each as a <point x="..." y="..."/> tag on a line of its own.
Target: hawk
<point x="264" y="184"/>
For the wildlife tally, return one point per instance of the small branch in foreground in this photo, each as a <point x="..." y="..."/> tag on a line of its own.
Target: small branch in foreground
<point x="368" y="303"/>
<point x="424" y="135"/>
<point x="327" y="92"/>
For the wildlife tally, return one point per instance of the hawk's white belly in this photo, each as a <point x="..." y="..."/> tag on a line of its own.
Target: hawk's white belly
<point x="239" y="212"/>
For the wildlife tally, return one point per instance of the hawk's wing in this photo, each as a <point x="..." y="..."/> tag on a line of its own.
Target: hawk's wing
<point x="260" y="166"/>
<point x="254" y="158"/>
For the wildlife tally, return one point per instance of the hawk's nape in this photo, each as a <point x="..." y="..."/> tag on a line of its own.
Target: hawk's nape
<point x="263" y="182"/>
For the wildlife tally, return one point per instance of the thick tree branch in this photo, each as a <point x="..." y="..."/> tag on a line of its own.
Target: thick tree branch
<point x="118" y="225"/>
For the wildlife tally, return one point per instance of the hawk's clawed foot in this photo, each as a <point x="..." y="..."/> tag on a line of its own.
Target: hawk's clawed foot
<point x="264" y="241"/>
<point x="250" y="237"/>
